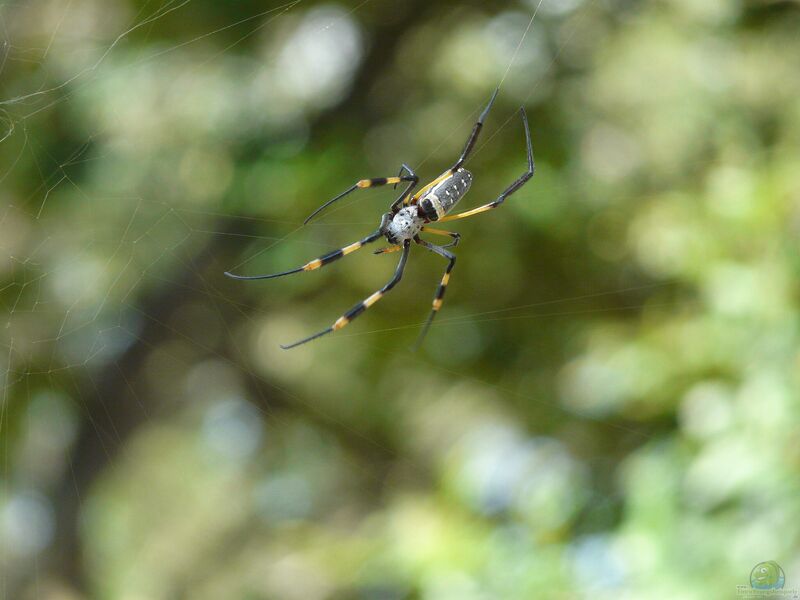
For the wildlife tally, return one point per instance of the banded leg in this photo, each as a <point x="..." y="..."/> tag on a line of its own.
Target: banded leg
<point x="374" y="182"/>
<point x="403" y="198"/>
<point x="510" y="189"/>
<point x="456" y="236"/>
<point x="439" y="295"/>
<point x="411" y="198"/>
<point x="388" y="249"/>
<point x="361" y="306"/>
<point x="473" y="137"/>
<point x="323" y="260"/>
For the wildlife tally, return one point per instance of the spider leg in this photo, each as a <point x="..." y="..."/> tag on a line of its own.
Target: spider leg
<point x="473" y="137"/>
<point x="403" y="198"/>
<point x="361" y="306"/>
<point x="407" y="169"/>
<point x="456" y="236"/>
<point x="439" y="295"/>
<point x="368" y="183"/>
<point x="388" y="249"/>
<point x="510" y="189"/>
<point x="323" y="260"/>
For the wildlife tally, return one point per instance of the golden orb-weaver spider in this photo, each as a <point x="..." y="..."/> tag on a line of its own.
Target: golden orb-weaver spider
<point x="408" y="216"/>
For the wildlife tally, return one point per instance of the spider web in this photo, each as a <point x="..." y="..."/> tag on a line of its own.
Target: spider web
<point x="77" y="299"/>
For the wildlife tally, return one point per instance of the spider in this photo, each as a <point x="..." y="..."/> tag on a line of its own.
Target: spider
<point x="409" y="216"/>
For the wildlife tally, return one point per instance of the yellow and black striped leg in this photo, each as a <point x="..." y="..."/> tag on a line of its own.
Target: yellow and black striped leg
<point x="404" y="168"/>
<point x="438" y="297"/>
<point x="318" y="262"/>
<point x="368" y="183"/>
<point x="473" y="137"/>
<point x="510" y="189"/>
<point x="402" y="199"/>
<point x="363" y="305"/>
<point x="388" y="250"/>
<point x="456" y="236"/>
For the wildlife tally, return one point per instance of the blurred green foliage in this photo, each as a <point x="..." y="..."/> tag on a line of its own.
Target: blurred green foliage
<point x="608" y="405"/>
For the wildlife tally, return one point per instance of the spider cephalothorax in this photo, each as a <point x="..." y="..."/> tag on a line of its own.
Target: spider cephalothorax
<point x="404" y="225"/>
<point x="408" y="217"/>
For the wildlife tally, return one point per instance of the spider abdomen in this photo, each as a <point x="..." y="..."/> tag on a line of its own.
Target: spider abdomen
<point x="442" y="197"/>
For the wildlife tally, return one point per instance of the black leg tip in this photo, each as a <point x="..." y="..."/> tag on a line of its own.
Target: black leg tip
<point x="306" y="340"/>
<point x="489" y="106"/>
<point x="293" y="345"/>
